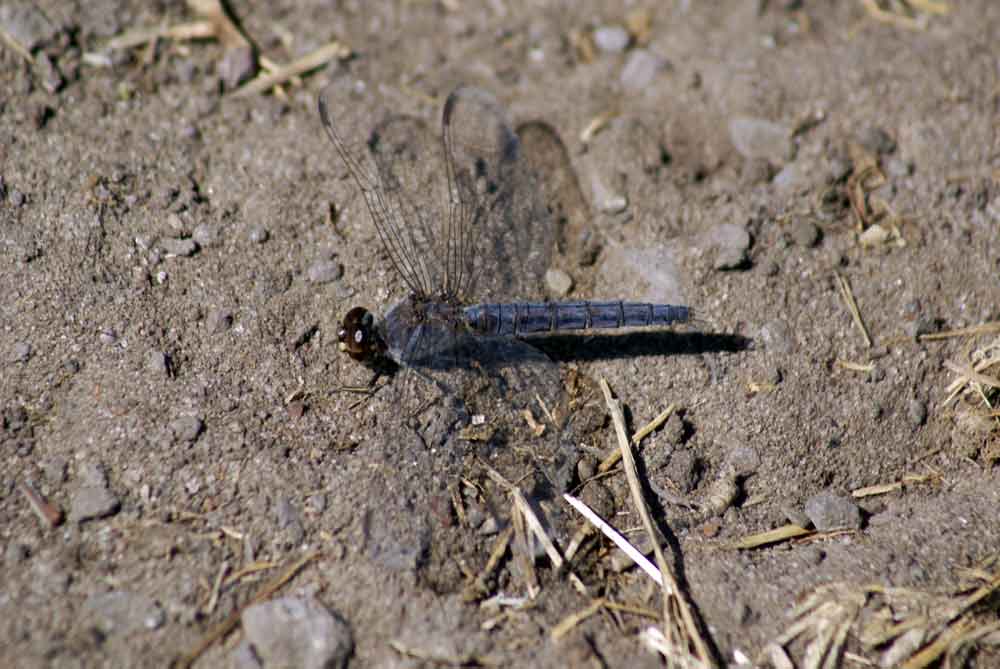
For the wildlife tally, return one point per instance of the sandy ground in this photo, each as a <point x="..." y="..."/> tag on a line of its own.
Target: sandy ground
<point x="175" y="261"/>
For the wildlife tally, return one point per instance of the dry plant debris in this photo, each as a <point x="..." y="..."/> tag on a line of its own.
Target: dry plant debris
<point x="684" y="643"/>
<point x="909" y="628"/>
<point x="875" y="221"/>
<point x="909" y="14"/>
<point x="215" y="23"/>
<point x="848" y="294"/>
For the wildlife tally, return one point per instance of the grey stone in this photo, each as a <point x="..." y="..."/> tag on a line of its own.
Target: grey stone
<point x="17" y="198"/>
<point x="237" y="66"/>
<point x="830" y="511"/>
<point x="758" y="138"/>
<point x="258" y="234"/>
<point x="157" y="362"/>
<point x="179" y="247"/>
<point x="682" y="470"/>
<point x="730" y="243"/>
<point x="917" y="412"/>
<point x="187" y="428"/>
<point x="558" y="282"/>
<point x="22" y="352"/>
<point x="295" y="632"/>
<point x="91" y="502"/>
<point x="876" y="140"/>
<point x="776" y="337"/>
<point x="120" y="612"/>
<point x="611" y="39"/>
<point x="206" y="235"/>
<point x="26" y="24"/>
<point x="640" y="69"/>
<point x="325" y="271"/>
<point x="805" y="233"/>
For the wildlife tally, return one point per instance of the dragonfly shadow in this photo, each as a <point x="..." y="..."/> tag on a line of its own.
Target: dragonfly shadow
<point x="568" y="348"/>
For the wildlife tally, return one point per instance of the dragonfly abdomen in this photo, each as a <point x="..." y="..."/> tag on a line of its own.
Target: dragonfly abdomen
<point x="521" y="318"/>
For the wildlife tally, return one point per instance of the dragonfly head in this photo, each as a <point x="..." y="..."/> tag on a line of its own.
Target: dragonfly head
<point x="359" y="337"/>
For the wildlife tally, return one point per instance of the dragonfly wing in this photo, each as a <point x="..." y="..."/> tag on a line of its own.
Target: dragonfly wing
<point x="499" y="234"/>
<point x="398" y="165"/>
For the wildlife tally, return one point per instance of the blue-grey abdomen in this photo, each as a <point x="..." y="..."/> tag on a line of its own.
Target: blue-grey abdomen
<point x="521" y="318"/>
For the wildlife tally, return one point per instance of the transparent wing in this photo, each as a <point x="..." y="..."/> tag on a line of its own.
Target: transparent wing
<point x="498" y="232"/>
<point x="399" y="170"/>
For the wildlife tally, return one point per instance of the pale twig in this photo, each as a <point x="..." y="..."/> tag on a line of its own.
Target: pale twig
<point x="611" y="533"/>
<point x="673" y="631"/>
<point x="852" y="306"/>
<point x="318" y="58"/>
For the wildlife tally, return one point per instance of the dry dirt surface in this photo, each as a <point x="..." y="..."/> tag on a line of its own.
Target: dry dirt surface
<point x="187" y="475"/>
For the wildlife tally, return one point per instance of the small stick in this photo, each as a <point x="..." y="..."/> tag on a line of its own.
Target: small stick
<point x="16" y="46"/>
<point x="970" y="374"/>
<point x="180" y="32"/>
<point x="318" y="58"/>
<point x="47" y="512"/>
<point x="230" y="623"/>
<point x="478" y="586"/>
<point x="852" y="306"/>
<point x="653" y="424"/>
<point x="574" y="619"/>
<point x="213" y="598"/>
<point x="613" y="459"/>
<point x="611" y="533"/>
<point x="984" y="328"/>
<point x="782" y="533"/>
<point x="669" y="587"/>
<point x="855" y="366"/>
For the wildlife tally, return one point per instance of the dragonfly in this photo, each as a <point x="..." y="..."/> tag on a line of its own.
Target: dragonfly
<point x="463" y="224"/>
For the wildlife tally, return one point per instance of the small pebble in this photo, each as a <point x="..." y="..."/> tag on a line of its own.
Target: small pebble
<point x="611" y="39"/>
<point x="206" y="235"/>
<point x="730" y="242"/>
<point x="776" y="337"/>
<point x="325" y="271"/>
<point x="805" y="233"/>
<point x="17" y="198"/>
<point x="187" y="428"/>
<point x="258" y="234"/>
<point x="876" y="140"/>
<point x="92" y="500"/>
<point x="613" y="204"/>
<point x="183" y="248"/>
<point x="558" y="282"/>
<point x="682" y="470"/>
<point x="758" y="138"/>
<point x="830" y="511"/>
<point x="22" y="352"/>
<point x="917" y="412"/>
<point x="120" y="612"/>
<point x="297" y="632"/>
<point x="640" y="69"/>
<point x="158" y="362"/>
